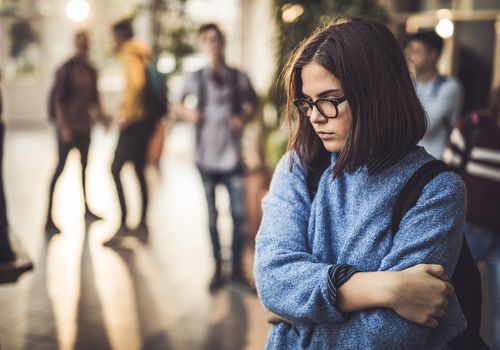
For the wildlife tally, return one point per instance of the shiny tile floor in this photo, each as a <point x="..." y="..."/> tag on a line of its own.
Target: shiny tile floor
<point x="151" y="295"/>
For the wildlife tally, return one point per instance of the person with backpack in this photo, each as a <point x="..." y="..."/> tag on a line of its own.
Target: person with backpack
<point x="74" y="106"/>
<point x="225" y="101"/>
<point x="361" y="229"/>
<point x="136" y="125"/>
<point x="474" y="151"/>
<point x="441" y="97"/>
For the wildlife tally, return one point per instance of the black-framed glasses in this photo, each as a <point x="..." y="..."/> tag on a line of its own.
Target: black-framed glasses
<point x="328" y="107"/>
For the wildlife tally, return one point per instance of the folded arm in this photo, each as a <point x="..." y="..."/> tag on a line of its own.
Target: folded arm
<point x="430" y="233"/>
<point x="291" y="282"/>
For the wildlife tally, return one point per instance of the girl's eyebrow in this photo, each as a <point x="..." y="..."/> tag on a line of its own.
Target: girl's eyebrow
<point x="323" y="94"/>
<point x="328" y="92"/>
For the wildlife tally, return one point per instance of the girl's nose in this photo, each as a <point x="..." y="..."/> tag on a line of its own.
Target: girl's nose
<point x="316" y="116"/>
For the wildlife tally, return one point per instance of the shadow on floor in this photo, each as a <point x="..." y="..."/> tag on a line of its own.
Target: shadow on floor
<point x="153" y="334"/>
<point x="90" y="327"/>
<point x="41" y="331"/>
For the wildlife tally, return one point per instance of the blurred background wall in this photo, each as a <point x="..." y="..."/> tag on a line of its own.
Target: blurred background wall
<point x="44" y="33"/>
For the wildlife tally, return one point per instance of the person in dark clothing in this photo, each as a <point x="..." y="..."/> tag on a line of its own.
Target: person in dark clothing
<point x="135" y="128"/>
<point x="474" y="150"/>
<point x="74" y="105"/>
<point x="6" y="252"/>
<point x="13" y="260"/>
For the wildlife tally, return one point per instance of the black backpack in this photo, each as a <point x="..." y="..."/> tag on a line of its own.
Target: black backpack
<point x="466" y="278"/>
<point x="155" y="93"/>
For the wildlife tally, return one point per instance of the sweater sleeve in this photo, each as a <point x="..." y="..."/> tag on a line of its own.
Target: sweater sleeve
<point x="430" y="233"/>
<point x="291" y="282"/>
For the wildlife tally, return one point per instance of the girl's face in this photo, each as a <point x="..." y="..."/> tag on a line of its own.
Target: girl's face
<point x="317" y="82"/>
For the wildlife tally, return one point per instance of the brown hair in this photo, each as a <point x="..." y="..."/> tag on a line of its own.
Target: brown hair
<point x="430" y="40"/>
<point x="386" y="113"/>
<point x="124" y="29"/>
<point x="211" y="26"/>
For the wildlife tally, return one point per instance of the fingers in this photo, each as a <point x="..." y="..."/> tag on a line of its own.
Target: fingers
<point x="444" y="291"/>
<point x="436" y="271"/>
<point x="443" y="304"/>
<point x="439" y="313"/>
<point x="431" y="323"/>
<point x="276" y="319"/>
<point x="273" y="318"/>
<point x="432" y="320"/>
<point x="449" y="290"/>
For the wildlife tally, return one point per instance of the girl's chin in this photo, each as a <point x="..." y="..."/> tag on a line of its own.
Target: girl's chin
<point x="333" y="146"/>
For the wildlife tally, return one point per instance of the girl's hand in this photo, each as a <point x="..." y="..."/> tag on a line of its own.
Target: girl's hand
<point x="420" y="294"/>
<point x="272" y="318"/>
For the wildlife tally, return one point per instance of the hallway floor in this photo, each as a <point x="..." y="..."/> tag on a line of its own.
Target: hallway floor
<point x="140" y="295"/>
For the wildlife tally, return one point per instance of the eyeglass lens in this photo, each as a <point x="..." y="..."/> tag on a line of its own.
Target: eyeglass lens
<point x="325" y="107"/>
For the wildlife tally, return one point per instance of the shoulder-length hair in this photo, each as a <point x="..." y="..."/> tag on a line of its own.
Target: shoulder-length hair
<point x="387" y="116"/>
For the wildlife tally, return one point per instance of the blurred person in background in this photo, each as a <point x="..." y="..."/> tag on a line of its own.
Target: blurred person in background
<point x="135" y="128"/>
<point x="74" y="106"/>
<point x="225" y="101"/>
<point x="440" y="96"/>
<point x="474" y="150"/>
<point x="7" y="255"/>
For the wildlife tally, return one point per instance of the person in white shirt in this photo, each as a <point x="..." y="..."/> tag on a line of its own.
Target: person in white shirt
<point x="441" y="96"/>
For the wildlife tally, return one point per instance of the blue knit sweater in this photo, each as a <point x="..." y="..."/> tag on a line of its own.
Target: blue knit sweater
<point x="348" y="222"/>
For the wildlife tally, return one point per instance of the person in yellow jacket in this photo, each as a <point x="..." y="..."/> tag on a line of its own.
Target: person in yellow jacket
<point x="134" y="56"/>
<point x="135" y="128"/>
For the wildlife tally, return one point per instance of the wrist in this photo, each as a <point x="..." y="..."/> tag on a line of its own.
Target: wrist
<point x="380" y="285"/>
<point x="365" y="290"/>
<point x="388" y="283"/>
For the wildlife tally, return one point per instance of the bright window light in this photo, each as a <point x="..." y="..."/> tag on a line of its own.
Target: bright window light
<point x="77" y="10"/>
<point x="166" y="64"/>
<point x="445" y="28"/>
<point x="290" y="12"/>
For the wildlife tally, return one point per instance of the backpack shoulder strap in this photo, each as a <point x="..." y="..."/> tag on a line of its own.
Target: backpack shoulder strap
<point x="201" y="89"/>
<point x="436" y="85"/>
<point x="235" y="91"/>
<point x="411" y="191"/>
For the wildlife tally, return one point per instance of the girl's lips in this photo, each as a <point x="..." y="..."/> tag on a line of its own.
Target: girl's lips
<point x="325" y="135"/>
